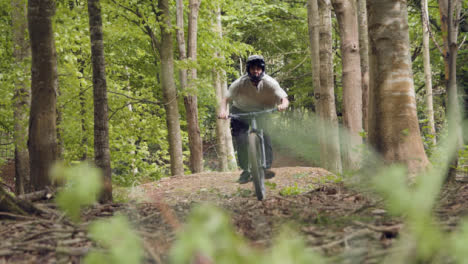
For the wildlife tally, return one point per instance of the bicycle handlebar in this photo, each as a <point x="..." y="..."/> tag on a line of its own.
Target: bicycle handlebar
<point x="250" y="114"/>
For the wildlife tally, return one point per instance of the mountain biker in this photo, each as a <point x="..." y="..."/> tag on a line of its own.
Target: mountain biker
<point x="254" y="91"/>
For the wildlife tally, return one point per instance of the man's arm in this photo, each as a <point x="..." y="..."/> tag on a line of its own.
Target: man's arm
<point x="284" y="104"/>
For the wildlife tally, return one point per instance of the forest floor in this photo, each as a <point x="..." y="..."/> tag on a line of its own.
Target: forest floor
<point x="335" y="220"/>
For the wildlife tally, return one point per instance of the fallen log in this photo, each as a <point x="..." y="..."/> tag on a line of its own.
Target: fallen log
<point x="45" y="194"/>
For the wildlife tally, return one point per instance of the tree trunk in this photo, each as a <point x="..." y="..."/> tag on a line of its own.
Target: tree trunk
<point x="450" y="14"/>
<point x="223" y="132"/>
<point x="190" y="100"/>
<point x="84" y="130"/>
<point x="364" y="55"/>
<point x="181" y="42"/>
<point x="218" y="86"/>
<point x="59" y="130"/>
<point x="231" y="155"/>
<point x="15" y="206"/>
<point x="42" y="142"/>
<point x="169" y="90"/>
<point x="21" y="97"/>
<point x="345" y="11"/>
<point x="101" y="126"/>
<point x="324" y="92"/>
<point x="427" y="69"/>
<point x="220" y="123"/>
<point x="393" y="127"/>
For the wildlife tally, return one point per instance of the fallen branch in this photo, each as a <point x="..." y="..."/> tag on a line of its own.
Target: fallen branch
<point x="359" y="233"/>
<point x="17" y="216"/>
<point x="383" y="229"/>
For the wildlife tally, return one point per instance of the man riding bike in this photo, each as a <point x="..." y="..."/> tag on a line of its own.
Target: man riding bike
<point x="254" y="91"/>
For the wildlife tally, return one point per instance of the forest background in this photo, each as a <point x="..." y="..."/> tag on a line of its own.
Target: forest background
<point x="141" y="141"/>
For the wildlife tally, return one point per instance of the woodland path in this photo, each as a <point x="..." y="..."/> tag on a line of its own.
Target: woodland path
<point x="348" y="225"/>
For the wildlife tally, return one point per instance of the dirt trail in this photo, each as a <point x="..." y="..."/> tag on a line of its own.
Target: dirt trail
<point x="210" y="186"/>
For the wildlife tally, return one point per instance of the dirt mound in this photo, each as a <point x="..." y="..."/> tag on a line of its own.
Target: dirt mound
<point x="210" y="186"/>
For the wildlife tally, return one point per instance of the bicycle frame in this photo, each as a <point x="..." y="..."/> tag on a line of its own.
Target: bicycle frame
<point x="252" y="117"/>
<point x="259" y="132"/>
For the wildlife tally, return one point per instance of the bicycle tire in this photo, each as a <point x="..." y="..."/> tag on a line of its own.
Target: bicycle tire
<point x="256" y="168"/>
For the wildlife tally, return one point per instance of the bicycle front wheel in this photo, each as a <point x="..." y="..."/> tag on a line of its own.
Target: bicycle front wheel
<point x="256" y="168"/>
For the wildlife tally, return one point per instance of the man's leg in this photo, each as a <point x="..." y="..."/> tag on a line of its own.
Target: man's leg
<point x="239" y="131"/>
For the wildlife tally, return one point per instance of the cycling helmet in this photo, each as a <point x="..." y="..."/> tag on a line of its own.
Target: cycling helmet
<point x="256" y="60"/>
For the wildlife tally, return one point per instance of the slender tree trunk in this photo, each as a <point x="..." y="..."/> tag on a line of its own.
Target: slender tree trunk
<point x="325" y="94"/>
<point x="454" y="102"/>
<point x="220" y="126"/>
<point x="231" y="155"/>
<point x="345" y="11"/>
<point x="427" y="69"/>
<point x="443" y="12"/>
<point x="329" y="158"/>
<point x="364" y="55"/>
<point x="169" y="90"/>
<point x="191" y="104"/>
<point x="393" y="127"/>
<point x="181" y="42"/>
<point x="223" y="131"/>
<point x="449" y="26"/>
<point x="42" y="142"/>
<point x="21" y="53"/>
<point x="101" y="126"/>
<point x="59" y="130"/>
<point x="84" y="130"/>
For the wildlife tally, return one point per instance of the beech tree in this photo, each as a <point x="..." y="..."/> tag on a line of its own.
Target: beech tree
<point x="450" y="17"/>
<point x="42" y="142"/>
<point x="166" y="54"/>
<point x="322" y="70"/>
<point x="223" y="128"/>
<point x="191" y="100"/>
<point x="345" y="11"/>
<point x="364" y="56"/>
<point x="101" y="126"/>
<point x="21" y="52"/>
<point x="427" y="69"/>
<point x="189" y="85"/>
<point x="393" y="124"/>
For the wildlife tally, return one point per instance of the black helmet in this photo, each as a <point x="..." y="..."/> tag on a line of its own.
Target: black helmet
<point x="256" y="60"/>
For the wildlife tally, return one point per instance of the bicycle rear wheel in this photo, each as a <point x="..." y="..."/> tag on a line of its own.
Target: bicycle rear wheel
<point x="256" y="168"/>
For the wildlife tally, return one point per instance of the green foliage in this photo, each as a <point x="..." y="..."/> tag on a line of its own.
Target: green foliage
<point x="82" y="186"/>
<point x="209" y="234"/>
<point x="289" y="247"/>
<point x="329" y="178"/>
<point x="270" y="185"/>
<point x="291" y="190"/>
<point x="122" y="243"/>
<point x="7" y="68"/>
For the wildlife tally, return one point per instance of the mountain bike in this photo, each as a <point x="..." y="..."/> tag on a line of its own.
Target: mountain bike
<point x="256" y="150"/>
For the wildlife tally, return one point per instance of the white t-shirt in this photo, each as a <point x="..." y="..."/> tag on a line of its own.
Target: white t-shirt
<point x="246" y="97"/>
